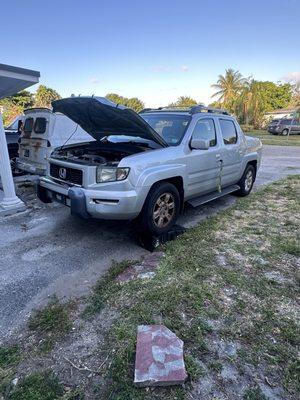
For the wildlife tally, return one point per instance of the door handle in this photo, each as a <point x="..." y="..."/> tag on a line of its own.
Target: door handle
<point x="218" y="155"/>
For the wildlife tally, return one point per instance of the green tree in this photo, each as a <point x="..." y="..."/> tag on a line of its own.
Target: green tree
<point x="215" y="104"/>
<point x="184" y="101"/>
<point x="134" y="103"/>
<point x="229" y="87"/>
<point x="258" y="97"/>
<point x="116" y="98"/>
<point x="44" y="96"/>
<point x="295" y="101"/>
<point x="24" y="99"/>
<point x="14" y="105"/>
<point x="9" y="111"/>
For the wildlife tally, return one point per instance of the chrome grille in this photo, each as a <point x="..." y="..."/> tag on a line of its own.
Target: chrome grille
<point x="71" y="175"/>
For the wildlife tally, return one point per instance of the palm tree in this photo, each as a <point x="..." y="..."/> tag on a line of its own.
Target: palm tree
<point x="229" y="86"/>
<point x="251" y="102"/>
<point x="184" y="101"/>
<point x="244" y="100"/>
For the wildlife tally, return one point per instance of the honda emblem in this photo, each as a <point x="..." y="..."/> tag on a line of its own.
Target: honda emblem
<point x="62" y="172"/>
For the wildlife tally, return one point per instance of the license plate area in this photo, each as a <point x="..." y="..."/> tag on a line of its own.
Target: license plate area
<point x="26" y="153"/>
<point x="61" y="198"/>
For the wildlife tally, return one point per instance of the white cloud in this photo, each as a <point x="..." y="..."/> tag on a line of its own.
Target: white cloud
<point x="184" y="68"/>
<point x="292" y="77"/>
<point x="95" y="81"/>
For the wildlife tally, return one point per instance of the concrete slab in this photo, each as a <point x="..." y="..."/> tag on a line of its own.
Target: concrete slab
<point x="159" y="357"/>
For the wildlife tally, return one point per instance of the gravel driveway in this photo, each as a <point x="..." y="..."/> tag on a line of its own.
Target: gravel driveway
<point x="45" y="251"/>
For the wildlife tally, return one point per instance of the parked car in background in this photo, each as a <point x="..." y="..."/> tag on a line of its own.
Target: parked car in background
<point x="12" y="134"/>
<point x="272" y="125"/>
<point x="285" y="126"/>
<point x="148" y="165"/>
<point x="43" y="131"/>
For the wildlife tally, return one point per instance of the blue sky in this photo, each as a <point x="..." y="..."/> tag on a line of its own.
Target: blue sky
<point x="155" y="50"/>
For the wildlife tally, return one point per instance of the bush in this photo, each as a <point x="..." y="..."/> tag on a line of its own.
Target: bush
<point x="247" y="128"/>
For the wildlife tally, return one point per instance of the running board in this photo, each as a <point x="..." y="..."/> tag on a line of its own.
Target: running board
<point x="212" y="196"/>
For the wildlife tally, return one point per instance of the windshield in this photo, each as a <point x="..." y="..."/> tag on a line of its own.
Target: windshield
<point x="286" y="122"/>
<point x="130" y="139"/>
<point x="170" y="127"/>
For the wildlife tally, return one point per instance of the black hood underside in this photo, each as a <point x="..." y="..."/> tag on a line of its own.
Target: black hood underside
<point x="101" y="117"/>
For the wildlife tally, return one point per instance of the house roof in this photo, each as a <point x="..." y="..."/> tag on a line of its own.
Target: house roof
<point x="13" y="79"/>
<point x="281" y="111"/>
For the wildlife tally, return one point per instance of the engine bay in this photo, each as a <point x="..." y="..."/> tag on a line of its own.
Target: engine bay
<point x="96" y="154"/>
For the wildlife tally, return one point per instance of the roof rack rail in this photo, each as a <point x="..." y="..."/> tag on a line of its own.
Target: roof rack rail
<point x="200" y="108"/>
<point x="167" y="108"/>
<point x="191" y="110"/>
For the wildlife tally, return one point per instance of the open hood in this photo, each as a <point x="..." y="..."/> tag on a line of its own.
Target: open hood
<point x="101" y="117"/>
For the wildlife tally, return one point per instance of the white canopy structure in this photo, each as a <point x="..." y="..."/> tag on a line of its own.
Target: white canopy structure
<point x="12" y="80"/>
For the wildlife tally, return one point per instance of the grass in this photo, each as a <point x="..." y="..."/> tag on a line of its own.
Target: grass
<point x="51" y="323"/>
<point x="37" y="386"/>
<point x="189" y="290"/>
<point x="267" y="138"/>
<point x="254" y="394"/>
<point x="231" y="279"/>
<point x="105" y="288"/>
<point x="9" y="356"/>
<point x="53" y="319"/>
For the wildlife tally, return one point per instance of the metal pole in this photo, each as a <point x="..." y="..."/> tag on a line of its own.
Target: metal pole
<point x="292" y="121"/>
<point x="10" y="203"/>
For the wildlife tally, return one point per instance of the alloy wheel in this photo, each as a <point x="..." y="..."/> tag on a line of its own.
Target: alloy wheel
<point x="248" y="180"/>
<point x="163" y="210"/>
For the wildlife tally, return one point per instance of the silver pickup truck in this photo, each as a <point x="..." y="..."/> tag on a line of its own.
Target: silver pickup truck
<point x="148" y="165"/>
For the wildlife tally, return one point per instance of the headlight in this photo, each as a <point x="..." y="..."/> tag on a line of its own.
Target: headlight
<point x="111" y="174"/>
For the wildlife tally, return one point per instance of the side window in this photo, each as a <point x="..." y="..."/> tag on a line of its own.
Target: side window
<point x="228" y="130"/>
<point x="205" y="129"/>
<point x="40" y="125"/>
<point x="28" y="125"/>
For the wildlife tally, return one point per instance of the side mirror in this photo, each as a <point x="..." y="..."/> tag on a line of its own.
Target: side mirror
<point x="200" y="144"/>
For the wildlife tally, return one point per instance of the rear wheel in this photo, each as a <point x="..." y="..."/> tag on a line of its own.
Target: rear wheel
<point x="161" y="209"/>
<point x="247" y="181"/>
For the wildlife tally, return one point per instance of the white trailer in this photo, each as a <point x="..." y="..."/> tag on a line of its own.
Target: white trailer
<point x="43" y="131"/>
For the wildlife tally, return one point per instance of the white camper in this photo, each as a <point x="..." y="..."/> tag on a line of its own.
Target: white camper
<point x="43" y="131"/>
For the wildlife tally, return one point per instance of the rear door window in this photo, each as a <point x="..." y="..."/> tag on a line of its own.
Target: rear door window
<point x="28" y="126"/>
<point x="228" y="131"/>
<point x="40" y="125"/>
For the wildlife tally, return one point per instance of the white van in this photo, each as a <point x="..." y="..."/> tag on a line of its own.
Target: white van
<point x="43" y="131"/>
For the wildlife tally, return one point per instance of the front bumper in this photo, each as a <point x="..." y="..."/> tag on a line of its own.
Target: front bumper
<point x="87" y="203"/>
<point x="36" y="169"/>
<point x="273" y="131"/>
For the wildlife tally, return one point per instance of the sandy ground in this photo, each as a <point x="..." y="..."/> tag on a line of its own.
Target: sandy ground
<point x="45" y="251"/>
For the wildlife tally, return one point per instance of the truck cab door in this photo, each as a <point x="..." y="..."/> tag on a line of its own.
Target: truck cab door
<point x="232" y="152"/>
<point x="203" y="166"/>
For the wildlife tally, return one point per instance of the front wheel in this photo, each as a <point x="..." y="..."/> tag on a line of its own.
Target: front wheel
<point x="247" y="181"/>
<point x="285" y="132"/>
<point x="161" y="209"/>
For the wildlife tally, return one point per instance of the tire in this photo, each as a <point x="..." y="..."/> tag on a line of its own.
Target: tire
<point x="158" y="216"/>
<point x="285" y="132"/>
<point x="247" y="181"/>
